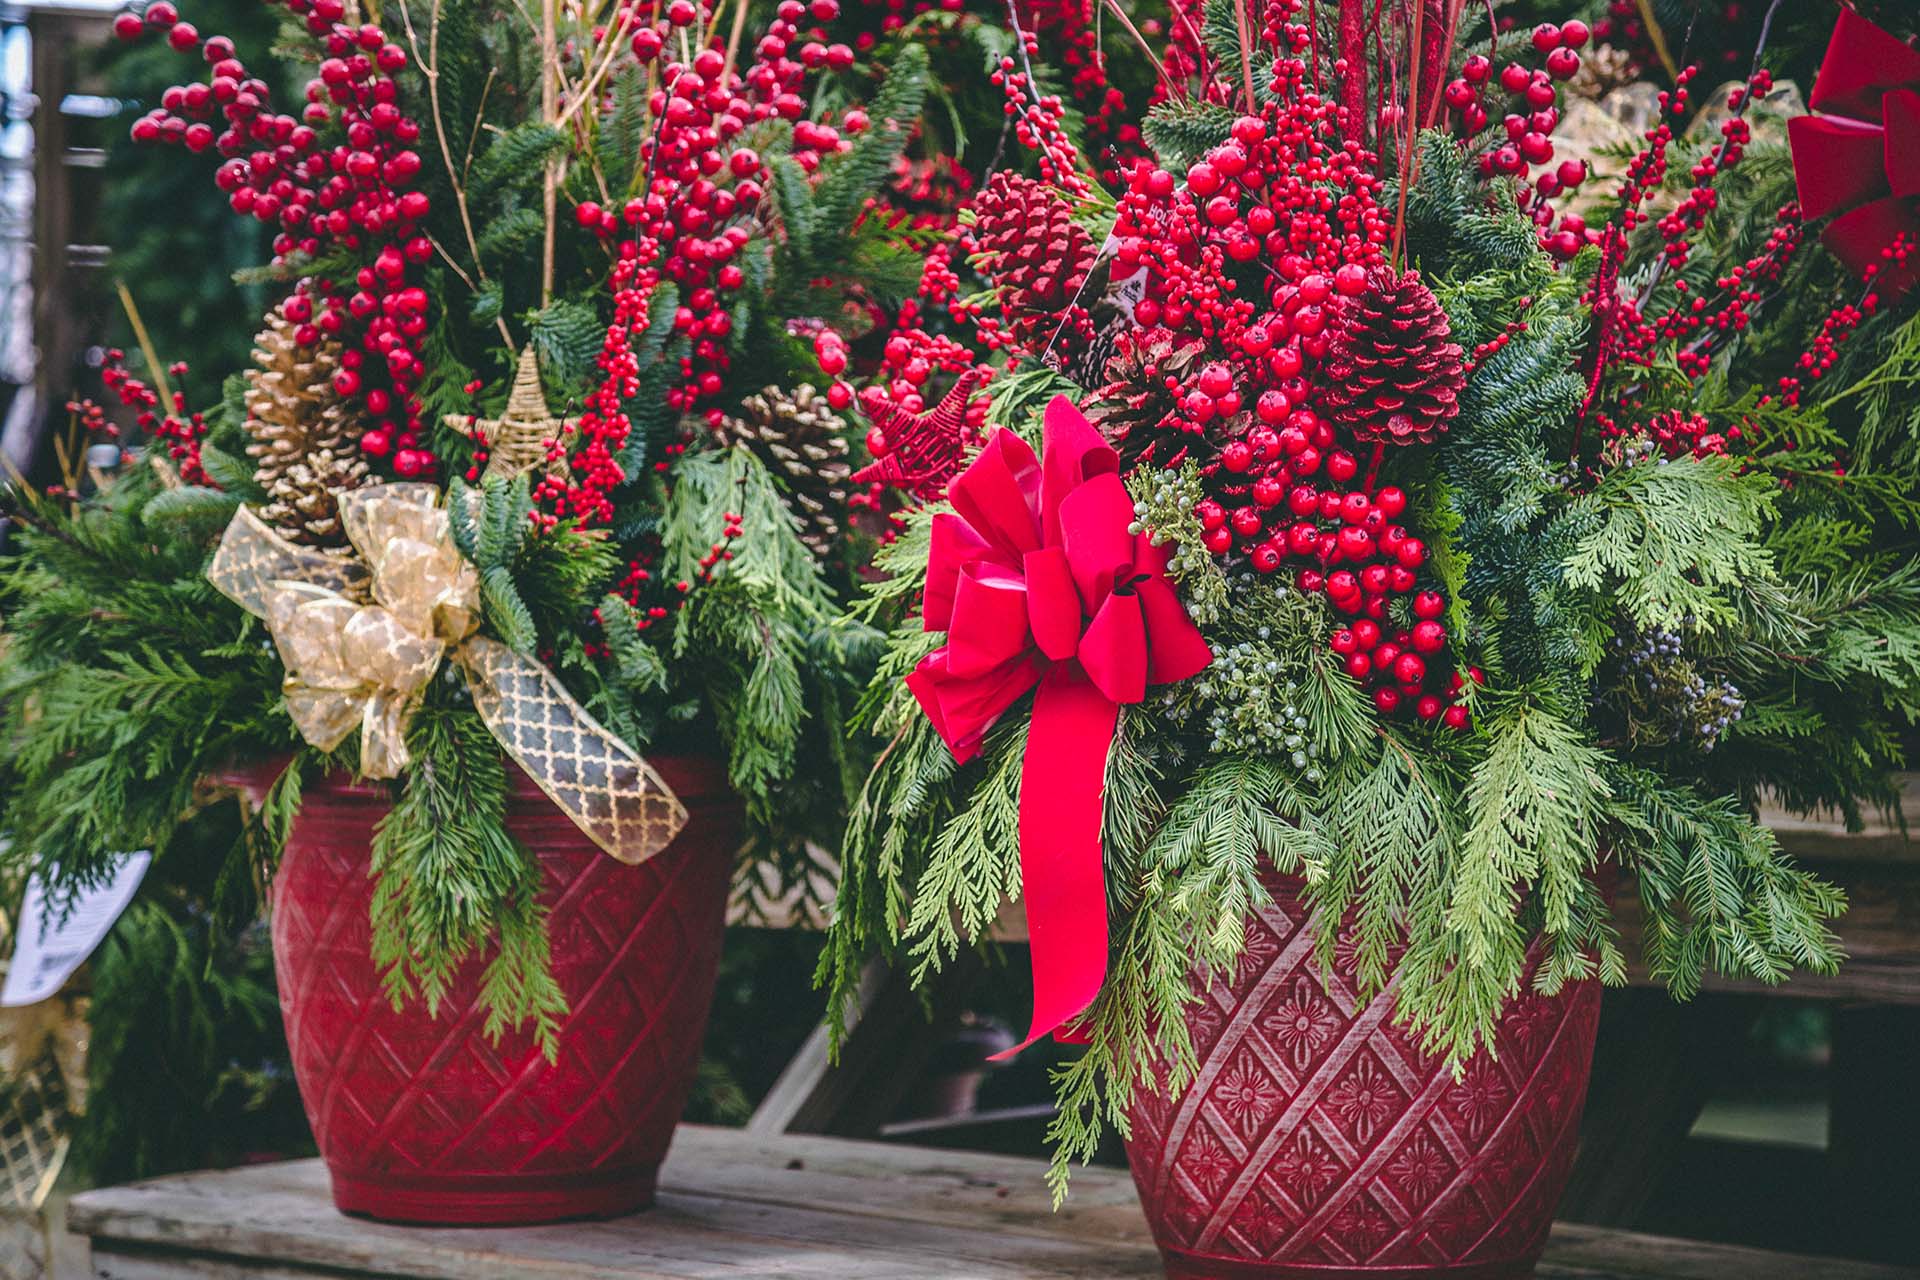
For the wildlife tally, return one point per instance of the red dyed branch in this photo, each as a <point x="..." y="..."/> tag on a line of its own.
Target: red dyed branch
<point x="1353" y="76"/>
<point x="1437" y="25"/>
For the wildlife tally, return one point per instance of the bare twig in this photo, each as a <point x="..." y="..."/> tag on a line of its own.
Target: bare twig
<point x="1659" y="38"/>
<point x="550" y="184"/>
<point x="1246" y="51"/>
<point x="1159" y="66"/>
<point x="430" y="68"/>
<point x="1409" y="110"/>
<point x="473" y="135"/>
<point x="1659" y="272"/>
<point x="157" y="370"/>
<point x="447" y="258"/>
<point x="733" y="38"/>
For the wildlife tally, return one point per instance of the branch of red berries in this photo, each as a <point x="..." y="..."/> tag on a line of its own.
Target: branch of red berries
<point x="338" y="176"/>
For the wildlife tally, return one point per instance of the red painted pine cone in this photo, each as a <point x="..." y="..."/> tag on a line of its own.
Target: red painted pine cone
<point x="1032" y="250"/>
<point x="1392" y="373"/>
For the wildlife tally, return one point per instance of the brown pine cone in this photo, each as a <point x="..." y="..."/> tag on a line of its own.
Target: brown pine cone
<point x="1392" y="374"/>
<point x="1142" y="390"/>
<point x="303" y="438"/>
<point x="803" y="442"/>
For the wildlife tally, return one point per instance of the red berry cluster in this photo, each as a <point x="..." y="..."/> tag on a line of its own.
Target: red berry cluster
<point x="699" y="212"/>
<point x="1839" y="325"/>
<point x="1675" y="433"/>
<point x="1395" y="664"/>
<point x="1685" y="219"/>
<point x="895" y="14"/>
<point x="354" y="194"/>
<point x="639" y="582"/>
<point x="706" y="184"/>
<point x="1697" y="323"/>
<point x="582" y="489"/>
<point x="1259" y="253"/>
<point x="171" y="422"/>
<point x="91" y="421"/>
<point x="1070" y="32"/>
<point x="925" y="193"/>
<point x="1039" y="119"/>
<point x="1531" y="115"/>
<point x="1728" y="22"/>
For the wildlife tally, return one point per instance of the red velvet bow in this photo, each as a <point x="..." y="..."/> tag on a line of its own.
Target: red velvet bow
<point x="1037" y="582"/>
<point x="1863" y="155"/>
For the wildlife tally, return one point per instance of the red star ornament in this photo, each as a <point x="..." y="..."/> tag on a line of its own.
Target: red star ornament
<point x="924" y="450"/>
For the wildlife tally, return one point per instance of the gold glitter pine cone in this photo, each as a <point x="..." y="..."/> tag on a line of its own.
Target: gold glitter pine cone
<point x="303" y="438"/>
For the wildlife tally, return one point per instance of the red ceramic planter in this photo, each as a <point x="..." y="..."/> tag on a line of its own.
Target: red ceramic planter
<point x="1319" y="1143"/>
<point x="425" y="1119"/>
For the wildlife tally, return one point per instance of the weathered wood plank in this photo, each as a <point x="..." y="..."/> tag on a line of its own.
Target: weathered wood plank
<point x="735" y="1206"/>
<point x="730" y="1207"/>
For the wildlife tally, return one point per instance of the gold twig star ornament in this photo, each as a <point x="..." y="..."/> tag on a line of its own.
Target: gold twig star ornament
<point x="518" y="439"/>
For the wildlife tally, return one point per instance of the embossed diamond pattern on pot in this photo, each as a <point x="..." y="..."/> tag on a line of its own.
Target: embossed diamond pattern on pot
<point x="1317" y="1138"/>
<point x="401" y="1095"/>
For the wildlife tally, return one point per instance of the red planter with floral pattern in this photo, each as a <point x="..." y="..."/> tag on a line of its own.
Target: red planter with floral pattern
<point x="428" y="1119"/>
<point x="1318" y="1143"/>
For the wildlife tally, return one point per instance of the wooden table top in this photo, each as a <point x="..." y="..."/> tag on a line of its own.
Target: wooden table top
<point x="733" y="1206"/>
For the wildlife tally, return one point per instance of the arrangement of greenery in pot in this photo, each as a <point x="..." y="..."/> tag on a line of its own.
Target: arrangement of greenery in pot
<point x="520" y="541"/>
<point x="1428" y="583"/>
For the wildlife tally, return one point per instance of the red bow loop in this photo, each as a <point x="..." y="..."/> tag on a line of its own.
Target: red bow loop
<point x="1862" y="156"/>
<point x="1038" y="580"/>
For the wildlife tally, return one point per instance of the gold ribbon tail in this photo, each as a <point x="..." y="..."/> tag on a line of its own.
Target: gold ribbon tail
<point x="361" y="637"/>
<point x="611" y="794"/>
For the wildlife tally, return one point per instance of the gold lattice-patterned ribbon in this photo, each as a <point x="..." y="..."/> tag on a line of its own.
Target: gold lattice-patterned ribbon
<point x="361" y="638"/>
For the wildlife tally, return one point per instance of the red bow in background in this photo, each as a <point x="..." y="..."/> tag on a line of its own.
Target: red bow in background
<point x="1863" y="154"/>
<point x="1037" y="582"/>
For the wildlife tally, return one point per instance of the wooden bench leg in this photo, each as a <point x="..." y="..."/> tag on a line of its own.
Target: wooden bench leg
<point x="1654" y="1065"/>
<point x="883" y="1056"/>
<point x="1873" y="1141"/>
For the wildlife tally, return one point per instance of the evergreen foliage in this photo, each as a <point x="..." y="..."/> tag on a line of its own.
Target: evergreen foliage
<point x="1457" y="866"/>
<point x="693" y="619"/>
<point x="448" y="877"/>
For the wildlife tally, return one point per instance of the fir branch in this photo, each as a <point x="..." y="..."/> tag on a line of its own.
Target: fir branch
<point x="1533" y="808"/>
<point x="847" y="180"/>
<point x="1180" y="130"/>
<point x="448" y="877"/>
<point x="1717" y="892"/>
<point x="514" y="159"/>
<point x="975" y="862"/>
<point x="1669" y="540"/>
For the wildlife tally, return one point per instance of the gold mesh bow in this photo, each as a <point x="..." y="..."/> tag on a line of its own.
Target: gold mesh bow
<point x="361" y="638"/>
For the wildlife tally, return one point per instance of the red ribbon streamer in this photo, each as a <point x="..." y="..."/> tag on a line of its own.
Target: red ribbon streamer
<point x="1862" y="155"/>
<point x="1039" y="586"/>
